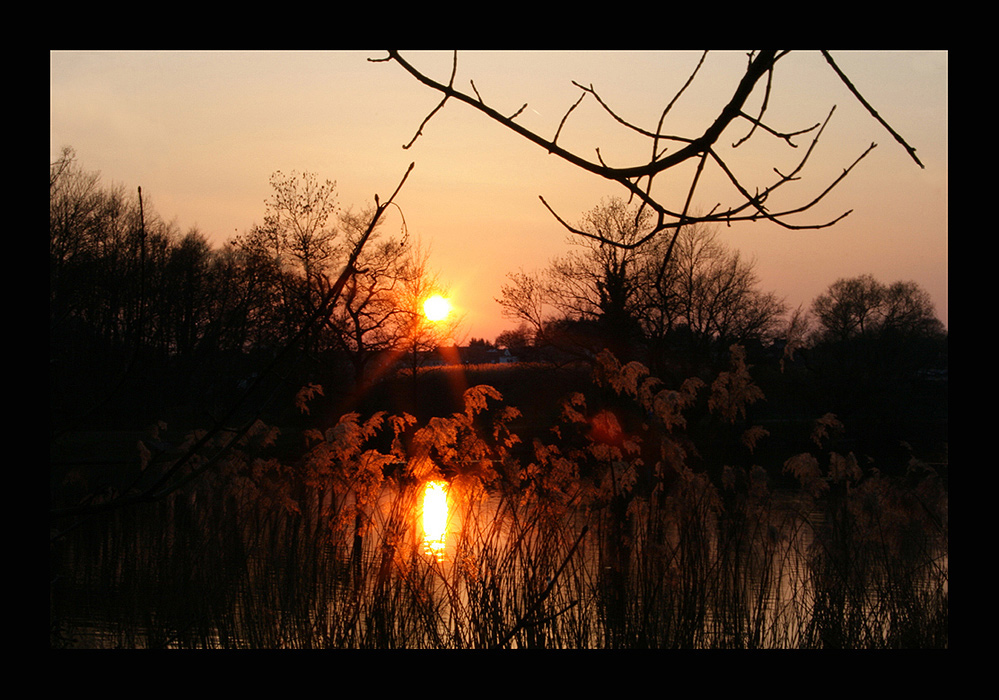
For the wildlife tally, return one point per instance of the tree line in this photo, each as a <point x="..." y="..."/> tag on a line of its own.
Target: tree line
<point x="641" y="301"/>
<point x="673" y="302"/>
<point x="134" y="302"/>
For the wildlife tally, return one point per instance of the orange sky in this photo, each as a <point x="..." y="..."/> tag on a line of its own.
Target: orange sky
<point x="201" y="133"/>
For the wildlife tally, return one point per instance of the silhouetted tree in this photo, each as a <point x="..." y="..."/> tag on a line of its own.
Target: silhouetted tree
<point x="188" y="288"/>
<point x="300" y="225"/>
<point x="300" y="240"/>
<point x="526" y="300"/>
<point x="374" y="318"/>
<point x="420" y="334"/>
<point x="871" y="350"/>
<point x="518" y="341"/>
<point x="593" y="285"/>
<point x="679" y="295"/>
<point x="709" y="290"/>
<point x="240" y="416"/>
<point x="858" y="306"/>
<point x="107" y="304"/>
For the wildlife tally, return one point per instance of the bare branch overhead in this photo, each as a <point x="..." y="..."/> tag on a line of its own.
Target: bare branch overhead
<point x="637" y="179"/>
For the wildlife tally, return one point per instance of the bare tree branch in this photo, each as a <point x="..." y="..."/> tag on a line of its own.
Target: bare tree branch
<point x="172" y="479"/>
<point x="419" y="131"/>
<point x="562" y="123"/>
<point x="757" y="68"/>
<point x="752" y="208"/>
<point x="867" y="106"/>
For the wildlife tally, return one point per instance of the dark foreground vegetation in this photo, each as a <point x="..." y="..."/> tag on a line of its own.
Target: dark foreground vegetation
<point x="591" y="521"/>
<point x="219" y="480"/>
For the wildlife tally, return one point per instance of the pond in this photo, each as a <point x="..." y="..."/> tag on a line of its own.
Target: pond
<point x="691" y="568"/>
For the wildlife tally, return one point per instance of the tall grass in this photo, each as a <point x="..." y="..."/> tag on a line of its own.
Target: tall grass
<point x="541" y="552"/>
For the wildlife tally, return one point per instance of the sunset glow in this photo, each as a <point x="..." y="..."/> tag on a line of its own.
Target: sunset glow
<point x="436" y="308"/>
<point x="471" y="176"/>
<point x="435" y="518"/>
<point x="668" y="328"/>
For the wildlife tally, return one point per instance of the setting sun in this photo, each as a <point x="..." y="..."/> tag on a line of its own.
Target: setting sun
<point x="436" y="308"/>
<point x="464" y="377"/>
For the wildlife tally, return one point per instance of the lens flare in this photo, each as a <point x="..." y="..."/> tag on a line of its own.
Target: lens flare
<point x="435" y="518"/>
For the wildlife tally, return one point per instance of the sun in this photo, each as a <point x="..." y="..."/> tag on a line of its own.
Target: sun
<point x="436" y="308"/>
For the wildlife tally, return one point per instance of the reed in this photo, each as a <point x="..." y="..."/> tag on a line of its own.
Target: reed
<point x="761" y="577"/>
<point x="541" y="553"/>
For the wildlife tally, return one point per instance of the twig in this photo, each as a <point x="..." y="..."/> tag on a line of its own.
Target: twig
<point x="163" y="486"/>
<point x="525" y="619"/>
<point x="856" y="93"/>
<point x="760" y="64"/>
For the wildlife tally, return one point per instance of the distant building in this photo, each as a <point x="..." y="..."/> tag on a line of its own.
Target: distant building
<point x="506" y="357"/>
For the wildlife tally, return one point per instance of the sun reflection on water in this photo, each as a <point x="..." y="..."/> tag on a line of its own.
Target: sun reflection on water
<point x="435" y="518"/>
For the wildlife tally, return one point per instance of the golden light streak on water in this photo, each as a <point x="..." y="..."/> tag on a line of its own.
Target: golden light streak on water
<point x="435" y="518"/>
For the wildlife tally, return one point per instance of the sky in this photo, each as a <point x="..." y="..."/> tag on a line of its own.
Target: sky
<point x="201" y="132"/>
